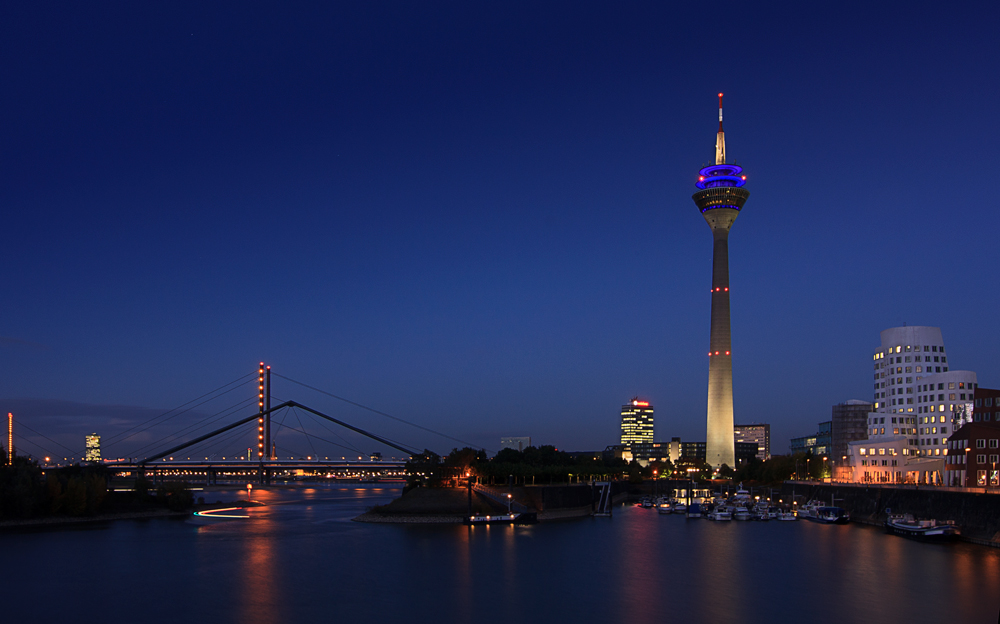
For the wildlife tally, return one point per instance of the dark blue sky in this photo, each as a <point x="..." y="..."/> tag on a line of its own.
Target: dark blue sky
<point x="479" y="218"/>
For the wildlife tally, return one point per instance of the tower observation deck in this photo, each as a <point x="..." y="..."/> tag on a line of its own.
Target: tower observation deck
<point x="720" y="199"/>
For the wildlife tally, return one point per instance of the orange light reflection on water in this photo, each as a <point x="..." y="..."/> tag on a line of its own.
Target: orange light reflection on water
<point x="259" y="581"/>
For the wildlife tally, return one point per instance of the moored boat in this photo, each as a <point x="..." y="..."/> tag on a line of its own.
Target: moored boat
<point x="831" y="515"/>
<point x="905" y="525"/>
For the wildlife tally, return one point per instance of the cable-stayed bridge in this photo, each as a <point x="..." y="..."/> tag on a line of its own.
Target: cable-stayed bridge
<point x="257" y="438"/>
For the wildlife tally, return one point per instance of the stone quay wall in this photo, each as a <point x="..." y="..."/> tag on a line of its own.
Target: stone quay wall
<point x="977" y="514"/>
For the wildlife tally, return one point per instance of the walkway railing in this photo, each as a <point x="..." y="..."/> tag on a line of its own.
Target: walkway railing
<point x="499" y="496"/>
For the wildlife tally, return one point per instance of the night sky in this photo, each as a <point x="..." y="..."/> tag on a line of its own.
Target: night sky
<point x="478" y="217"/>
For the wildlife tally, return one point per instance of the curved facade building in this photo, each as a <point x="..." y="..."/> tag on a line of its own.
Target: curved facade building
<point x="915" y="385"/>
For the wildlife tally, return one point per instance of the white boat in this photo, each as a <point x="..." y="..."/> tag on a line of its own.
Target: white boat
<point x="787" y="516"/>
<point x="741" y="513"/>
<point x="808" y="510"/>
<point x="664" y="508"/>
<point x="720" y="513"/>
<point x="680" y="508"/>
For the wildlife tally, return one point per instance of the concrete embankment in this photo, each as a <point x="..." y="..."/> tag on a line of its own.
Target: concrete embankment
<point x="450" y="505"/>
<point x="560" y="502"/>
<point x="977" y="514"/>
<point x="429" y="506"/>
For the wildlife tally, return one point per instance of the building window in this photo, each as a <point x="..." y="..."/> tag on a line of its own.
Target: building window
<point x="951" y="385"/>
<point x="993" y="443"/>
<point x="980" y="459"/>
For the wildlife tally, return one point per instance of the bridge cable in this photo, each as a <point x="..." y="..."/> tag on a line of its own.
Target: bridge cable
<point x="308" y="439"/>
<point x="342" y="439"/>
<point x="24" y="440"/>
<point x="212" y="418"/>
<point x="282" y="425"/>
<point x="173" y="436"/>
<point x="118" y="437"/>
<point x="289" y="427"/>
<point x="220" y="441"/>
<point x="375" y="411"/>
<point x="21" y="424"/>
<point x="198" y="425"/>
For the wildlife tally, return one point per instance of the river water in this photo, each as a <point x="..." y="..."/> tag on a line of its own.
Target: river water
<point x="301" y="559"/>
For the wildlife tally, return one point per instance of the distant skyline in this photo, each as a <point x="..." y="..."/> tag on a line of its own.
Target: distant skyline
<point x="479" y="218"/>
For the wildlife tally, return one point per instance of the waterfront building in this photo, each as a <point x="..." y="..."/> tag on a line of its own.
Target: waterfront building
<point x="974" y="449"/>
<point x="93" y="448"/>
<point x="676" y="450"/>
<point x="720" y="199"/>
<point x="759" y="434"/>
<point x="517" y="443"/>
<point x="819" y="443"/>
<point x="849" y="422"/>
<point x="637" y="421"/>
<point x="916" y="394"/>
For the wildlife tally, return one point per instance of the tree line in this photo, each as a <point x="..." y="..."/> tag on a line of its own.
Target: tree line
<point x="29" y="491"/>
<point x="547" y="465"/>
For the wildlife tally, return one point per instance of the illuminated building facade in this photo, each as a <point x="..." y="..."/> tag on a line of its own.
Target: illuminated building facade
<point x="720" y="200"/>
<point x="637" y="422"/>
<point x="974" y="449"/>
<point x="92" y="452"/>
<point x="916" y="395"/>
<point x="758" y="434"/>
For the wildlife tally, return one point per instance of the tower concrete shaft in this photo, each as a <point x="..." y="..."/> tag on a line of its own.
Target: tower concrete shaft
<point x="720" y="200"/>
<point x="720" y="447"/>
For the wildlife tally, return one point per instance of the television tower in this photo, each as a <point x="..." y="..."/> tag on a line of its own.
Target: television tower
<point x="720" y="199"/>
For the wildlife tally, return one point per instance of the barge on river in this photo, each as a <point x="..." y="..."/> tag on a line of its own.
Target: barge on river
<point x="924" y="530"/>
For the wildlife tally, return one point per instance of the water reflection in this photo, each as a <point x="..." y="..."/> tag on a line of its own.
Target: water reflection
<point x="301" y="559"/>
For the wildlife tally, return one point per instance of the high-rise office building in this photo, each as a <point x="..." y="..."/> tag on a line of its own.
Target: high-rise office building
<point x="93" y="448"/>
<point x="637" y="421"/>
<point x="720" y="200"/>
<point x="759" y="434"/>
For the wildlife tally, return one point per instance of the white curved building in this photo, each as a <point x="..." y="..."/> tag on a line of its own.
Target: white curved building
<point x="919" y="402"/>
<point x="916" y="393"/>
